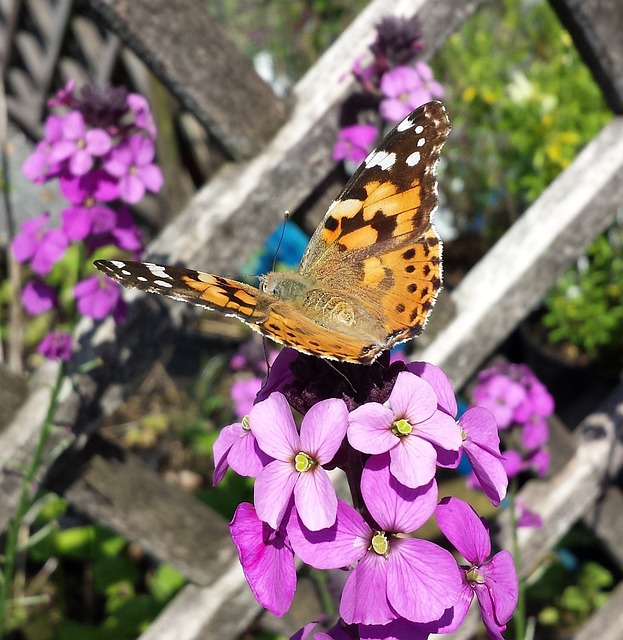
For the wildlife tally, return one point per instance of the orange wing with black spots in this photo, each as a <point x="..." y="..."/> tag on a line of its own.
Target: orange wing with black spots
<point x="371" y="272"/>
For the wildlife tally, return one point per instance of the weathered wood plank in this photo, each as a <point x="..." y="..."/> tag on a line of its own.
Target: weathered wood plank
<point x="607" y="623"/>
<point x="187" y="50"/>
<point x="524" y="264"/>
<point x="119" y="491"/>
<point x="596" y="27"/>
<point x="605" y="519"/>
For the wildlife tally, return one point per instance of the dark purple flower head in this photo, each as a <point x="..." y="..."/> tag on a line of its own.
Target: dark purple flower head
<point x="309" y="379"/>
<point x="103" y="107"/>
<point x="64" y="97"/>
<point x="41" y="246"/>
<point x="56" y="346"/>
<point x="398" y="40"/>
<point x="493" y="580"/>
<point x="354" y="142"/>
<point x="38" y="297"/>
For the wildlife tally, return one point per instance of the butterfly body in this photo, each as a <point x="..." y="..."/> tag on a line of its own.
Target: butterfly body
<point x="372" y="269"/>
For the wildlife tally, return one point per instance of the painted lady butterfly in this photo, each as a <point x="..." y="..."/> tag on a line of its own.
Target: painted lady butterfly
<point x="371" y="272"/>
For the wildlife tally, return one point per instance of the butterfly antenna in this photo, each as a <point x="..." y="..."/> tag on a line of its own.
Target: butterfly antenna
<point x="286" y="217"/>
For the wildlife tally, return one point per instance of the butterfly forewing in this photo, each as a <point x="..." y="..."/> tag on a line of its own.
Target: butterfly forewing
<point x="375" y="256"/>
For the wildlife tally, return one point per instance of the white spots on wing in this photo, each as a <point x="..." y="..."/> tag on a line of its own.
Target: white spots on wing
<point x="419" y="129"/>
<point x="162" y="283"/>
<point x="413" y="159"/>
<point x="118" y="264"/>
<point x="383" y="159"/>
<point x="407" y="123"/>
<point x="421" y="142"/>
<point x="125" y="272"/>
<point x="141" y="278"/>
<point x="157" y="270"/>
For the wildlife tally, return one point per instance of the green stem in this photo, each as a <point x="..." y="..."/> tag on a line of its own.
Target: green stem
<point x="25" y="500"/>
<point x="519" y="619"/>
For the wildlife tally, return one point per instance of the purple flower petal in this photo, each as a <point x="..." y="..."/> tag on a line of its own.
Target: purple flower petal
<point x="98" y="142"/>
<point x="413" y="461"/>
<point x="395" y="507"/>
<point x="435" y="376"/>
<point x="38" y="297"/>
<point x="369" y="429"/>
<point x="273" y="490"/>
<point x="273" y="425"/>
<point x="465" y="530"/>
<point x="266" y="560"/>
<point x="80" y="162"/>
<point x="151" y="176"/>
<point x="323" y="429"/>
<point x="56" y="346"/>
<point x="364" y="599"/>
<point x="338" y="546"/>
<point x="226" y="439"/>
<point x="131" y="188"/>
<point x="501" y="578"/>
<point x="315" y="499"/>
<point x="428" y="573"/>
<point x="412" y="398"/>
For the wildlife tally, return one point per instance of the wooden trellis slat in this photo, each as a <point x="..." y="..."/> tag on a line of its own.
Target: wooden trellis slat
<point x="183" y="46"/>
<point x="596" y="27"/>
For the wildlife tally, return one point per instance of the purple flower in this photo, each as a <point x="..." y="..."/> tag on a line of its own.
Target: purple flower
<point x="527" y="518"/>
<point x="538" y="461"/>
<point x="143" y="118"/>
<point x="481" y="444"/>
<point x="97" y="297"/>
<point x="56" y="346"/>
<point x="395" y="575"/>
<point x="38" y="297"/>
<point x="131" y="163"/>
<point x="537" y="404"/>
<point x="492" y="580"/>
<point x="535" y="433"/>
<point x="237" y="447"/>
<point x="64" y="97"/>
<point x="280" y="374"/>
<point x="409" y="429"/>
<point x="354" y="142"/>
<point x="266" y="559"/>
<point x="79" y="146"/>
<point x="243" y="392"/>
<point x="95" y="185"/>
<point x="38" y="167"/>
<point x="297" y="466"/>
<point x="43" y="247"/>
<point x="501" y="395"/>
<point x="407" y="88"/>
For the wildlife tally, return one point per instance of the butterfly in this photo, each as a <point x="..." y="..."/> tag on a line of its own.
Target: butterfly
<point x="370" y="274"/>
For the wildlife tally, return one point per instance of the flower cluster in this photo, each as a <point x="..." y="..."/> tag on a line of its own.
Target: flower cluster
<point x="99" y="145"/>
<point x="392" y="83"/>
<point x="521" y="405"/>
<point x="390" y="446"/>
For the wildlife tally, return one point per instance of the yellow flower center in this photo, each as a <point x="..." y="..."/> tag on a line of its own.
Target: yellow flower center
<point x="380" y="543"/>
<point x="303" y="462"/>
<point x="473" y="575"/>
<point x="401" y="427"/>
<point x="245" y="423"/>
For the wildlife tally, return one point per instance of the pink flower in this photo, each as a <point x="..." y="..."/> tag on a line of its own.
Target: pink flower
<point x="97" y="297"/>
<point x="38" y="297"/>
<point x="243" y="392"/>
<point x="395" y="575"/>
<point x="354" y="142"/>
<point x="43" y="247"/>
<point x="38" y="167"/>
<point x="501" y="396"/>
<point x="132" y="164"/>
<point x="79" y="146"/>
<point x="406" y="89"/>
<point x="56" y="346"/>
<point x="297" y="466"/>
<point x="266" y="559"/>
<point x="409" y="429"/>
<point x="492" y="580"/>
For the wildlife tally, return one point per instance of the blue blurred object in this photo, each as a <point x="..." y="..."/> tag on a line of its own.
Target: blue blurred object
<point x="290" y="252"/>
